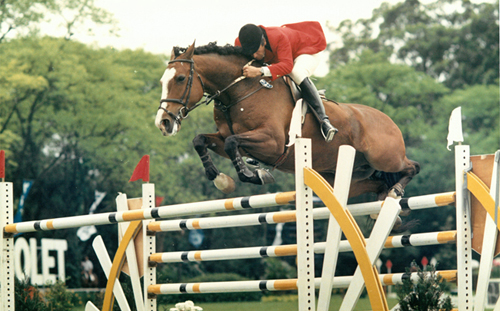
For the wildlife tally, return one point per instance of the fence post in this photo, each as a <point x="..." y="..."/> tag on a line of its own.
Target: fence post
<point x="7" y="277"/>
<point x="464" y="229"/>
<point x="305" y="227"/>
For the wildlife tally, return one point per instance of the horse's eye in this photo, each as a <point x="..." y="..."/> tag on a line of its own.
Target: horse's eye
<point x="181" y="78"/>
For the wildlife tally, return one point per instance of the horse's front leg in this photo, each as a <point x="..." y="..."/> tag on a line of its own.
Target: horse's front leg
<point x="259" y="177"/>
<point x="215" y="142"/>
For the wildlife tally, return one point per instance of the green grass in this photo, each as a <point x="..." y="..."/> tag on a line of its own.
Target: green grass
<point x="363" y="304"/>
<point x="288" y="303"/>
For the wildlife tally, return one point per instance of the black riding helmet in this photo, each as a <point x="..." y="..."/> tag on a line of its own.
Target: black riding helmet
<point x="250" y="37"/>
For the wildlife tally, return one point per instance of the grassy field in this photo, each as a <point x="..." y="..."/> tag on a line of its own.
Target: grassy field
<point x="288" y="303"/>
<point x="284" y="305"/>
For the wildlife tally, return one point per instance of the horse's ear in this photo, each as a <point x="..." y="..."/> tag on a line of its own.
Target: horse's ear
<point x="190" y="51"/>
<point x="172" y="56"/>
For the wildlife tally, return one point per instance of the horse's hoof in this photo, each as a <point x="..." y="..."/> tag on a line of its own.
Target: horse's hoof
<point x="224" y="183"/>
<point x="265" y="177"/>
<point x="393" y="194"/>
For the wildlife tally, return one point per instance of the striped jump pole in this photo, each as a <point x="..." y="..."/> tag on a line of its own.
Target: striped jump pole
<point x="413" y="203"/>
<point x="256" y="201"/>
<point x="279" y="285"/>
<point x="419" y="239"/>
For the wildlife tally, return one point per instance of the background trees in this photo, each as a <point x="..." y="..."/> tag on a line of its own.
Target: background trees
<point x="75" y="118"/>
<point x="417" y="62"/>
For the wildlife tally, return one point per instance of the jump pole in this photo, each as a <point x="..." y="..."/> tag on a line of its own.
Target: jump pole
<point x="186" y="209"/>
<point x="400" y="241"/>
<point x="359" y="209"/>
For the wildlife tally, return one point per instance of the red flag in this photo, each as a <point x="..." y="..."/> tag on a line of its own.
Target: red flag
<point x="2" y="164"/>
<point x="159" y="200"/>
<point x="141" y="170"/>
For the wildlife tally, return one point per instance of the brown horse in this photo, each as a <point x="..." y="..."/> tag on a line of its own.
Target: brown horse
<point x="254" y="121"/>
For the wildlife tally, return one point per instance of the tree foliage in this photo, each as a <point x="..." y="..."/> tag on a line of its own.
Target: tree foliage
<point x="76" y="119"/>
<point x="24" y="16"/>
<point x="454" y="41"/>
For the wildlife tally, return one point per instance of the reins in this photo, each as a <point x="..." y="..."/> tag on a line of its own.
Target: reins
<point x="184" y="100"/>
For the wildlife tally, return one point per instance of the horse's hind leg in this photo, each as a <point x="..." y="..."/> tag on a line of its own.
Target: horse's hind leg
<point x="411" y="169"/>
<point x="259" y="177"/>
<point x="216" y="143"/>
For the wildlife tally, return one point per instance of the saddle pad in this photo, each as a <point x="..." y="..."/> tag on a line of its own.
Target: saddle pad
<point x="298" y="118"/>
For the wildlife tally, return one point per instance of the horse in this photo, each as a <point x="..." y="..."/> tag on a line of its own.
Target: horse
<point x="253" y="120"/>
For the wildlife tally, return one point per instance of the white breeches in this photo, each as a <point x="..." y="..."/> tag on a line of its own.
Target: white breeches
<point x="304" y="66"/>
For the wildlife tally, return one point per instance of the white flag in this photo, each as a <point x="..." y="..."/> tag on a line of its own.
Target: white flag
<point x="84" y="233"/>
<point x="98" y="196"/>
<point x="455" y="127"/>
<point x="278" y="240"/>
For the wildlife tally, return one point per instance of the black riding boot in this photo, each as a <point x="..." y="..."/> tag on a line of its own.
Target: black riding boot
<point x="310" y="94"/>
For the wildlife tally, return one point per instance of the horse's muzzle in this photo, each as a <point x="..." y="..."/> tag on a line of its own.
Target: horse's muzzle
<point x="168" y="127"/>
<point x="165" y="127"/>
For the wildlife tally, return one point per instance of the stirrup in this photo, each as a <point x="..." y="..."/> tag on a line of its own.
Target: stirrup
<point x="328" y="130"/>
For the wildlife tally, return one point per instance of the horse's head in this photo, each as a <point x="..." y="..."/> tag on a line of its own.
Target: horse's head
<point x="180" y="92"/>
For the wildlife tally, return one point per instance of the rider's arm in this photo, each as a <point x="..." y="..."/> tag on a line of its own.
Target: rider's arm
<point x="283" y="64"/>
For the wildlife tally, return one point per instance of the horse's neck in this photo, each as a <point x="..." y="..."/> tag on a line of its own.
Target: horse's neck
<point x="219" y="71"/>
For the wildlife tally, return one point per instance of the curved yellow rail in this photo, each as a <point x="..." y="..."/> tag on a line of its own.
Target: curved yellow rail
<point x="479" y="189"/>
<point x="118" y="261"/>
<point x="353" y="234"/>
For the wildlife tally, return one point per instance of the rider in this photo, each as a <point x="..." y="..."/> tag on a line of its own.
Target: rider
<point x="87" y="268"/>
<point x="292" y="49"/>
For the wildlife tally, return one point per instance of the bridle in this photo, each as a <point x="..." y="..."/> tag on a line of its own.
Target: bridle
<point x="184" y="100"/>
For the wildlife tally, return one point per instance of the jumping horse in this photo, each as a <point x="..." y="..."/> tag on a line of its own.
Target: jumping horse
<point x="253" y="120"/>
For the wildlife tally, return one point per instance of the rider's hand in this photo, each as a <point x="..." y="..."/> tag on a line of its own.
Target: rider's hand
<point x="251" y="72"/>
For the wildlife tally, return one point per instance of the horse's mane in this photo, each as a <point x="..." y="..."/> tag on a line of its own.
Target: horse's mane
<point x="212" y="47"/>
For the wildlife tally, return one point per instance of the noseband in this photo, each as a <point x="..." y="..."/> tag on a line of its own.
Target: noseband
<point x="184" y="111"/>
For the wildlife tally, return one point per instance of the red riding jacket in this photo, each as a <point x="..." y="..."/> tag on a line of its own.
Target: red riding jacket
<point x="287" y="42"/>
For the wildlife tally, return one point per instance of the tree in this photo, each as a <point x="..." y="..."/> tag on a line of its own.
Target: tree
<point x="25" y="15"/>
<point x="398" y="90"/>
<point x="453" y="41"/>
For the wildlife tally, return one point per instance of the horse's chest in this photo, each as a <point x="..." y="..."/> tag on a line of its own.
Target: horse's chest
<point x="240" y="119"/>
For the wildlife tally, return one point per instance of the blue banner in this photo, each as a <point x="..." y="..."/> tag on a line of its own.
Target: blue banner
<point x="26" y="189"/>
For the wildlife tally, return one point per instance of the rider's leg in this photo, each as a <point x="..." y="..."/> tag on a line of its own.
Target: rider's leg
<point x="311" y="95"/>
<point x="304" y="66"/>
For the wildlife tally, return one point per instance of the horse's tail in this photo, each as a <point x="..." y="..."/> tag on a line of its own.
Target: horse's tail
<point x="390" y="179"/>
<point x="403" y="226"/>
<point x="399" y="227"/>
